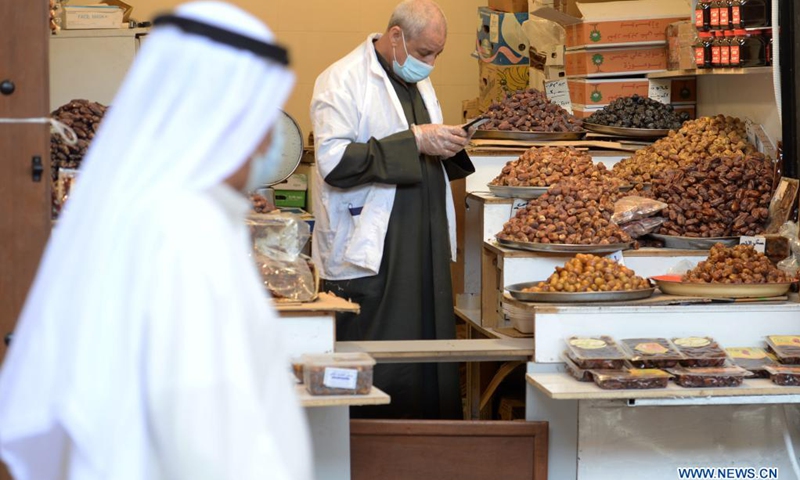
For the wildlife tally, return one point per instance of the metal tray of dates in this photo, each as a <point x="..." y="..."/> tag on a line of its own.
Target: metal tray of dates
<point x="528" y="136"/>
<point x="672" y="285"/>
<point x="565" y="247"/>
<point x="517" y="192"/>
<point x="694" y="243"/>
<point x="516" y="291"/>
<point x="626" y="132"/>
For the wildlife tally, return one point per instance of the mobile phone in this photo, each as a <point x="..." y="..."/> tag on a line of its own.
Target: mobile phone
<point x="475" y="122"/>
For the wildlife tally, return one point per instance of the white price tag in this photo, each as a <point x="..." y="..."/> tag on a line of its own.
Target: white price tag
<point x="557" y="92"/>
<point x="617" y="257"/>
<point x="661" y="90"/>
<point x="340" y="378"/>
<point x="759" y="243"/>
<point x="518" y="205"/>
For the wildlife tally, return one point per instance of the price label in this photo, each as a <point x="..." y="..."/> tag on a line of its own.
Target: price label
<point x="340" y="378"/>
<point x="617" y="257"/>
<point x="494" y="28"/>
<point x="661" y="90"/>
<point x="758" y="242"/>
<point x="557" y="92"/>
<point x="518" y="205"/>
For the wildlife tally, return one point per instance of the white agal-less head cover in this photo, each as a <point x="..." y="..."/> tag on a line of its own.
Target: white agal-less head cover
<point x="146" y="348"/>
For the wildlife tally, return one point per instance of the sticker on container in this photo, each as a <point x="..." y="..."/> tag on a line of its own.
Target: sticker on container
<point x="588" y="343"/>
<point x="661" y="90"/>
<point x="785" y="340"/>
<point x="692" y="342"/>
<point x="494" y="28"/>
<point x="748" y="353"/>
<point x="648" y="372"/>
<point x="758" y="242"/>
<point x="651" y="348"/>
<point x="617" y="257"/>
<point x="344" y="378"/>
<point x="557" y="92"/>
<point x="518" y="205"/>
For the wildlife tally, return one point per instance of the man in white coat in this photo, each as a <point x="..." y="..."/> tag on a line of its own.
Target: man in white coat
<point x="385" y="232"/>
<point x="147" y="348"/>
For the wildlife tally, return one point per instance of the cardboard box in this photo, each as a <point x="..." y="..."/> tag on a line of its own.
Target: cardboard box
<point x="512" y="6"/>
<point x="582" y="111"/>
<point x="470" y="109"/>
<point x="600" y="92"/>
<point x="681" y="37"/>
<point x="615" y="61"/>
<point x="684" y="90"/>
<point x="608" y="23"/>
<point x="501" y="38"/>
<point x="539" y="77"/>
<point x="497" y="81"/>
<point x="75" y="17"/>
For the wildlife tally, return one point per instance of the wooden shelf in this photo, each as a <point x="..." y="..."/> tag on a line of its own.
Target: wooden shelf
<point x="711" y="71"/>
<point x="375" y="397"/>
<point x="435" y="351"/>
<point x="561" y="386"/>
<point x="325" y="303"/>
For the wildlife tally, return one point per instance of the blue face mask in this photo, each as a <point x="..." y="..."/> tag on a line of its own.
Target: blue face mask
<point x="413" y="70"/>
<point x="265" y="168"/>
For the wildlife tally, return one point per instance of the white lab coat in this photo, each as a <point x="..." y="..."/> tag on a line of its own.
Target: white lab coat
<point x="353" y="101"/>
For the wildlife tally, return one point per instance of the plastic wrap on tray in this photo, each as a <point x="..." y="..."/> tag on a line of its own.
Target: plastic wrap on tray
<point x="700" y="352"/>
<point x="595" y="352"/>
<point x="786" y="348"/>
<point x="631" y="379"/>
<point x="709" y="377"/>
<point x="785" y="375"/>
<point x="642" y="227"/>
<point x="575" y="371"/>
<point x="632" y="208"/>
<point x="651" y="352"/>
<point x="288" y="280"/>
<point x="752" y="359"/>
<point x="338" y="373"/>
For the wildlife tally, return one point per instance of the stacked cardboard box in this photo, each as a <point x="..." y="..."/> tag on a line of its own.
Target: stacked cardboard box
<point x="612" y="44"/>
<point x="502" y="53"/>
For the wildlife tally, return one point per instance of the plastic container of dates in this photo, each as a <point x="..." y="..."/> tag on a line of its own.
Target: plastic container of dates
<point x="700" y="352"/>
<point x="651" y="352"/>
<point x="631" y="379"/>
<point x="752" y="359"/>
<point x="575" y="371"/>
<point x="595" y="352"/>
<point x="709" y="377"/>
<point x="786" y="348"/>
<point x="338" y="373"/>
<point x="785" y="375"/>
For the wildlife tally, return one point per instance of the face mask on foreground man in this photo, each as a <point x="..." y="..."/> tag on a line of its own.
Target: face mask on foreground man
<point x="147" y="348"/>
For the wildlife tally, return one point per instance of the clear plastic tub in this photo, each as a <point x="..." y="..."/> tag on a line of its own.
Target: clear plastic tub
<point x="700" y="352"/>
<point x="651" y="352"/>
<point x="786" y="348"/>
<point x="752" y="359"/>
<point x="709" y="377"/>
<point x="338" y="373"/>
<point x="784" y="375"/>
<point x="595" y="352"/>
<point x="631" y="379"/>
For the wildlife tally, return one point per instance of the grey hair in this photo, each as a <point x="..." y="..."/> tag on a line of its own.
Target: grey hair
<point x="413" y="16"/>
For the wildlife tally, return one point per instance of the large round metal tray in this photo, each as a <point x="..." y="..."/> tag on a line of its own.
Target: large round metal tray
<point x="527" y="136"/>
<point x="565" y="247"/>
<point x="672" y="285"/>
<point x="517" y="192"/>
<point x="626" y="132"/>
<point x="516" y="291"/>
<point x="695" y="243"/>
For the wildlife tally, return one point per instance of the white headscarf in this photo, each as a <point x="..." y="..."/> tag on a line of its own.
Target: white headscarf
<point x="189" y="114"/>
